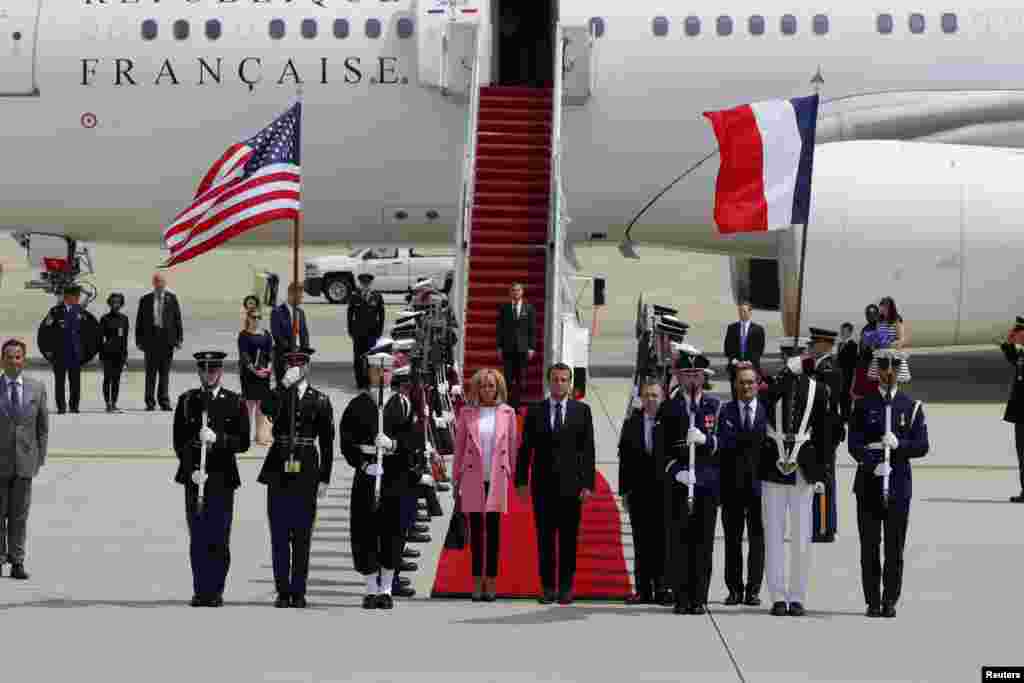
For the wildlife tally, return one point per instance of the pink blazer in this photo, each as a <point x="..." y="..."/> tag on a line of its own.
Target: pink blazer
<point x="468" y="467"/>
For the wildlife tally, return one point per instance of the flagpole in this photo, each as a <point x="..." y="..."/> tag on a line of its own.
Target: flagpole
<point x="297" y="231"/>
<point x="816" y="82"/>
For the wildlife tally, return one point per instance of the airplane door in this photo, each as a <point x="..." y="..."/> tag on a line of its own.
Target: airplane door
<point x="577" y="64"/>
<point x="462" y="50"/>
<point x="18" y="24"/>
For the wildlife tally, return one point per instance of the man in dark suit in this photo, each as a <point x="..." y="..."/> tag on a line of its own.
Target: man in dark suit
<point x="516" y="335"/>
<point x="741" y="433"/>
<point x="905" y="438"/>
<point x="65" y="349"/>
<point x="218" y="418"/>
<point x="641" y="489"/>
<point x="282" y="328"/>
<point x="847" y="356"/>
<point x="744" y="341"/>
<point x="1013" y="349"/>
<point x="158" y="332"/>
<point x="558" y="439"/>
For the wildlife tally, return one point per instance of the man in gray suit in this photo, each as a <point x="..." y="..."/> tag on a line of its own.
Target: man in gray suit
<point x="24" y="429"/>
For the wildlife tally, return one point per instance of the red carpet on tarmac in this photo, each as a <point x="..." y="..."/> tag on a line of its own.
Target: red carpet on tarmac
<point x="600" y="567"/>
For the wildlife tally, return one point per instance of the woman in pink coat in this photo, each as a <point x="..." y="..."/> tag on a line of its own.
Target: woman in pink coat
<point x="486" y="443"/>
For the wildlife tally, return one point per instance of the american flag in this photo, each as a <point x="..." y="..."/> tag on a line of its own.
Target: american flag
<point x="253" y="183"/>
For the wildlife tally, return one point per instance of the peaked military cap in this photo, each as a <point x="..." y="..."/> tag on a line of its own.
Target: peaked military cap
<point x="691" y="358"/>
<point x="1020" y="323"/>
<point x="820" y="333"/>
<point x="788" y="348"/>
<point x="73" y="290"/>
<point x="299" y="356"/>
<point x="423" y="284"/>
<point x="365" y="277"/>
<point x="209" y="359"/>
<point x="376" y="360"/>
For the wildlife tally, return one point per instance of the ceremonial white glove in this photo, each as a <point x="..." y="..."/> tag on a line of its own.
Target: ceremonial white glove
<point x="686" y="477"/>
<point x="321" y="491"/>
<point x="374" y="469"/>
<point x="457" y="390"/>
<point x="199" y="478"/>
<point x="882" y="469"/>
<point x="795" y="365"/>
<point x="208" y="435"/>
<point x="734" y="361"/>
<point x="890" y="440"/>
<point x="292" y="376"/>
<point x="819" y="487"/>
<point x="427" y="480"/>
<point x="382" y="441"/>
<point x="695" y="436"/>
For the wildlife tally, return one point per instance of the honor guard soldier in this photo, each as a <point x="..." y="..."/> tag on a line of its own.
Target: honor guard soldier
<point x="792" y="469"/>
<point x="211" y="427"/>
<point x="1013" y="349"/>
<point x="296" y="473"/>
<point x="63" y="341"/>
<point x="887" y="430"/>
<point x="828" y="374"/>
<point x="688" y="448"/>
<point x="377" y="440"/>
<point x="365" y="323"/>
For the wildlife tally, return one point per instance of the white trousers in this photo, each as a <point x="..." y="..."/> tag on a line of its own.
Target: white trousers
<point x="776" y="501"/>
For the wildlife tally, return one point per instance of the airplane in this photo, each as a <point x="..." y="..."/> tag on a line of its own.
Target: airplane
<point x="114" y="109"/>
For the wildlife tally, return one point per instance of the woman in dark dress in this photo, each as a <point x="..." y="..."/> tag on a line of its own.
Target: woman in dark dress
<point x="113" y="349"/>
<point x="255" y="346"/>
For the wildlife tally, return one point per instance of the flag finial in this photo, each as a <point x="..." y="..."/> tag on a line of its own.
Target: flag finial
<point x="817" y="80"/>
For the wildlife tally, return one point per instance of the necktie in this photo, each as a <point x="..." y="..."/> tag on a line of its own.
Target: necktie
<point x="15" y="403"/>
<point x="160" y="309"/>
<point x="517" y="311"/>
<point x="743" y="338"/>
<point x="558" y="416"/>
<point x="750" y="417"/>
<point x="647" y="434"/>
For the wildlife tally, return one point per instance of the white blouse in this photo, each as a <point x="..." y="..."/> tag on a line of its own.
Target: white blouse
<point x="488" y="417"/>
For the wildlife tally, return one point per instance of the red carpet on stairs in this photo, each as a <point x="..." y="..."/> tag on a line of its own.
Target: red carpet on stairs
<point x="601" y="572"/>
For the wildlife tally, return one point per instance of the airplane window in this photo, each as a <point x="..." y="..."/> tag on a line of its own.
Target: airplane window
<point x="181" y="30"/>
<point x="820" y="24"/>
<point x="404" y="27"/>
<point x="149" y="29"/>
<point x="885" y="23"/>
<point x="724" y="25"/>
<point x="308" y="28"/>
<point x="373" y="28"/>
<point x="660" y="26"/>
<point x="597" y="27"/>
<point x="788" y="24"/>
<point x="756" y="25"/>
<point x="341" y="28"/>
<point x="277" y="29"/>
<point x="917" y="23"/>
<point x="213" y="29"/>
<point x="692" y="25"/>
<point x="949" y="24"/>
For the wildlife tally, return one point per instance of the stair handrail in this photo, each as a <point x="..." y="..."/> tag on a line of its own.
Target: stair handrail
<point x="552" y="315"/>
<point x="463" y="229"/>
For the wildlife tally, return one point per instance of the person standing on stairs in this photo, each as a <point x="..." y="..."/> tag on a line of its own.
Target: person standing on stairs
<point x="516" y="336"/>
<point x="365" y="323"/>
<point x="558" y="438"/>
<point x="485" y="458"/>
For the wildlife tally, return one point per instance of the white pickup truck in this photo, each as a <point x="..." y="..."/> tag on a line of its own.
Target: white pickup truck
<point x="394" y="269"/>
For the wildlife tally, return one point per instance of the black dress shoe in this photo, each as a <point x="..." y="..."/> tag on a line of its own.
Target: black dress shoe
<point x="385" y="602"/>
<point x="150" y="408"/>
<point x="681" y="609"/>
<point x="1018" y="498"/>
<point x="197" y="601"/>
<point x="874" y="611"/>
<point x="216" y="601"/>
<point x="408" y="566"/>
<point x="779" y="609"/>
<point x="664" y="598"/>
<point x="74" y="410"/>
<point x="547" y="598"/>
<point x="410" y="553"/>
<point x="565" y="598"/>
<point x="403" y="591"/>
<point x="796" y="609"/>
<point x="752" y="600"/>
<point x="166" y="408"/>
<point x="370" y="602"/>
<point x="18" y="572"/>
<point x="282" y="601"/>
<point x="420" y="528"/>
<point x="698" y="609"/>
<point x="734" y="598"/>
<point x="418" y="538"/>
<point x="888" y="611"/>
<point x="110" y="408"/>
<point x="61" y="411"/>
<point x="298" y="601"/>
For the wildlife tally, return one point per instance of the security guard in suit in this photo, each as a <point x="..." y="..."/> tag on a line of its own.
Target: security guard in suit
<point x="211" y="425"/>
<point x="1013" y="349"/>
<point x="828" y="374"/>
<point x="296" y="473"/>
<point x="906" y="438"/>
<point x="365" y="323"/>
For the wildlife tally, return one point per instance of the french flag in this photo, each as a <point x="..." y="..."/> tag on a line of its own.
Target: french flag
<point x="767" y="152"/>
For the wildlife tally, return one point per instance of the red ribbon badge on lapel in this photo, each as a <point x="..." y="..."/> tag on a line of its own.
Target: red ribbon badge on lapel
<point x="709" y="422"/>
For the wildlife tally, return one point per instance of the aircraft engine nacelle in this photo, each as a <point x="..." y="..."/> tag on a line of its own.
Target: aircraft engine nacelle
<point x="937" y="227"/>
